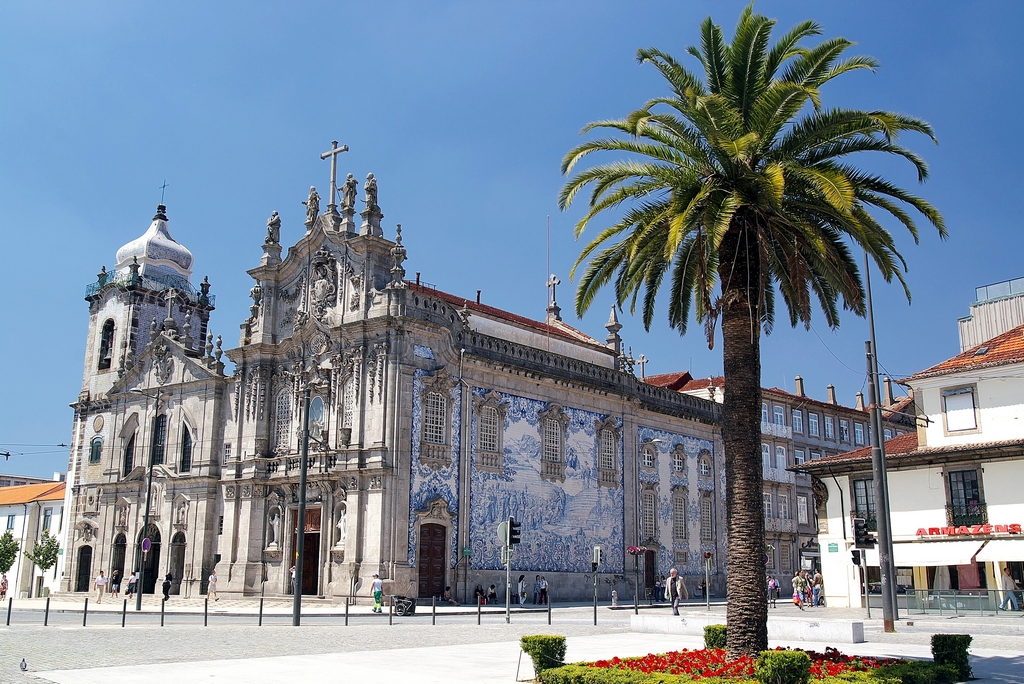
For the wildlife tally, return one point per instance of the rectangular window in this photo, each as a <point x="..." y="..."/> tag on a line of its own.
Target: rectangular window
<point x="858" y="433"/>
<point x="159" y="440"/>
<point x="679" y="516"/>
<point x="227" y="453"/>
<point x="815" y="455"/>
<point x="780" y="458"/>
<point x="434" y="410"/>
<point x="830" y="428"/>
<point x="786" y="557"/>
<point x="766" y="456"/>
<point x="647" y="515"/>
<point x="798" y="420"/>
<point x="769" y="556"/>
<point x="95" y="449"/>
<point x="959" y="408"/>
<point x="864" y="499"/>
<point x="766" y="498"/>
<point x="784" y="506"/>
<point x="798" y="456"/>
<point x="706" y="531"/>
<point x="764" y="413"/>
<point x="844" y="430"/>
<point x="47" y="518"/>
<point x="963" y="489"/>
<point x="780" y="416"/>
<point x="812" y="424"/>
<point x="489" y="429"/>
<point x="887" y="433"/>
<point x="553" y="441"/>
<point x="220" y="525"/>
<point x="10" y="522"/>
<point x="607" y="461"/>
<point x="186" y="450"/>
<point x="801" y="510"/>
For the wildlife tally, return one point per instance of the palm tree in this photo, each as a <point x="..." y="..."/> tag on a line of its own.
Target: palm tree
<point x="734" y="187"/>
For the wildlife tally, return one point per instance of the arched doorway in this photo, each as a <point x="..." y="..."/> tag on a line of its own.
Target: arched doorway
<point x="177" y="562"/>
<point x="117" y="557"/>
<point x="311" y="551"/>
<point x="432" y="559"/>
<point x="151" y="560"/>
<point x="82" y="579"/>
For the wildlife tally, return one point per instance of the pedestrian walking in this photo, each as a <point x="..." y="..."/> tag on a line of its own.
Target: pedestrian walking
<point x="818" y="588"/>
<point x="773" y="591"/>
<point x="675" y="590"/>
<point x="521" y="590"/>
<point x="1009" y="587"/>
<point x="808" y="593"/>
<point x="167" y="586"/>
<point x="101" y="586"/>
<point x="543" y="590"/>
<point x="378" y="594"/>
<point x="3" y="587"/>
<point x="536" y="589"/>
<point x="799" y="585"/>
<point x="115" y="583"/>
<point x="133" y="582"/>
<point x="211" y="586"/>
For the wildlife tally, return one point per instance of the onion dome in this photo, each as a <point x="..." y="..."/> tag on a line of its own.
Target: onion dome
<point x="156" y="251"/>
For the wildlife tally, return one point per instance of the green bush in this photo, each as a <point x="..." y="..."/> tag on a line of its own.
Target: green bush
<point x="783" y="667"/>
<point x="917" y="672"/>
<point x="714" y="636"/>
<point x="584" y="674"/>
<point x="546" y="650"/>
<point x="951" y="649"/>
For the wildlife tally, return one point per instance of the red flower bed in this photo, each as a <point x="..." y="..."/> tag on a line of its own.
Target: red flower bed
<point x="712" y="663"/>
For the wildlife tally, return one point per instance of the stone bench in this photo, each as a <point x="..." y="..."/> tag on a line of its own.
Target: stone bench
<point x="826" y="630"/>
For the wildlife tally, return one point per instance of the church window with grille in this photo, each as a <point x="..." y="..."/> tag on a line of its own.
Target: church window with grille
<point x="607" y="461"/>
<point x="552" y="441"/>
<point x="647" y="456"/>
<point x="106" y="345"/>
<point x="434" y="410"/>
<point x="678" y="460"/>
<point x="95" y="449"/>
<point x="489" y="429"/>
<point x="706" y="528"/>
<point x="283" y="421"/>
<point x="159" y="440"/>
<point x="186" y="450"/>
<point x="647" y="508"/>
<point x="679" y="515"/>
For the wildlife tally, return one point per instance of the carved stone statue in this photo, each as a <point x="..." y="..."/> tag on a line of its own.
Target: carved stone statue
<point x="371" y="191"/>
<point x="273" y="229"/>
<point x="341" y="526"/>
<point x="275" y="528"/>
<point x="181" y="514"/>
<point x="348" y="192"/>
<point x="312" y="206"/>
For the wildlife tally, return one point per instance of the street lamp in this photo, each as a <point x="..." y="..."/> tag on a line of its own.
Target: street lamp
<point x="149" y="495"/>
<point x="300" y="524"/>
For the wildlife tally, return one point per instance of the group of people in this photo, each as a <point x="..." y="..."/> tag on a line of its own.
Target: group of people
<point x="808" y="589"/>
<point x="483" y="596"/>
<point x="114" y="583"/>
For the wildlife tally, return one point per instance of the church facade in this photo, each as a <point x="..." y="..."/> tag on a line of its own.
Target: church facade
<point x="431" y="419"/>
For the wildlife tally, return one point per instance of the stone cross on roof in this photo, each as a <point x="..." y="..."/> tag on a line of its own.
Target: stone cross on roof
<point x="333" y="153"/>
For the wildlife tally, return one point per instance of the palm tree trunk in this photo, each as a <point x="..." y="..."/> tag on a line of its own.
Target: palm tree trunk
<point x="747" y="607"/>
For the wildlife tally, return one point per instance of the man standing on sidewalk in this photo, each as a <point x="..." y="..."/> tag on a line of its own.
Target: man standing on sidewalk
<point x="378" y="594"/>
<point x="675" y="589"/>
<point x="1008" y="585"/>
<point x="101" y="586"/>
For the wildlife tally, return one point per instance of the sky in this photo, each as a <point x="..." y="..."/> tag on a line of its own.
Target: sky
<point x="463" y="111"/>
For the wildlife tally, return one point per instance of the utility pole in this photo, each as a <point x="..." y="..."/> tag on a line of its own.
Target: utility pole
<point x="300" y="532"/>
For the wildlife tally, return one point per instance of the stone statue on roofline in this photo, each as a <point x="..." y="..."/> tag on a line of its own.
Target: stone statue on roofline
<point x="273" y="229"/>
<point x="371" y="192"/>
<point x="348" y="192"/>
<point x="312" y="206"/>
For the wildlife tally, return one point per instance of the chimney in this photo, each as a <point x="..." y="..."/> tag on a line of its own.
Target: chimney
<point x="860" y="401"/>
<point x="799" y="382"/>
<point x="478" y="296"/>
<point x="831" y="394"/>
<point x="910" y="392"/>
<point x="887" y="399"/>
<point x="417" y="277"/>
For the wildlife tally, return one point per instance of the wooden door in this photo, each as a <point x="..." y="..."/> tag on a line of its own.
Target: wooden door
<point x="650" y="569"/>
<point x="84" y="576"/>
<point x="432" y="560"/>
<point x="310" y="551"/>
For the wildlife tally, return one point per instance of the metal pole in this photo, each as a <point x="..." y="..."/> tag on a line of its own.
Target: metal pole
<point x="391" y="609"/>
<point x="549" y="608"/>
<point x="636" y="585"/>
<point x="508" y="585"/>
<point x="124" y="611"/>
<point x="707" y="583"/>
<point x="260" y="623"/>
<point x="85" y="611"/>
<point x="478" y="604"/>
<point x="433" y="610"/>
<point x="206" y="611"/>
<point x="595" y="597"/>
<point x="46" y="613"/>
<point x="10" y="605"/>
<point x="162" y="604"/>
<point x="864" y="575"/>
<point x="300" y="536"/>
<point x="346" y="611"/>
<point x="877" y="473"/>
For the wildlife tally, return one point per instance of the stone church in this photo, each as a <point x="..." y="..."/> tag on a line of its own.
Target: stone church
<point x="432" y="418"/>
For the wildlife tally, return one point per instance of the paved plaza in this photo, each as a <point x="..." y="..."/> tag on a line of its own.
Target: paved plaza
<point x="455" y="649"/>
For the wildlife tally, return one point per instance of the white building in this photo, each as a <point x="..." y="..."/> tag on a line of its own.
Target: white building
<point x="954" y="486"/>
<point x="26" y="511"/>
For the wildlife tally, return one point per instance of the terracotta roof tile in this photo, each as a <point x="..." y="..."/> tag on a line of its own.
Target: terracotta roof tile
<point x="47" y="491"/>
<point x="672" y="381"/>
<point x="1000" y="350"/>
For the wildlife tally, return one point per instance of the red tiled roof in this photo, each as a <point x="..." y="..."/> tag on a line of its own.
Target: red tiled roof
<point x="703" y="384"/>
<point x="21" y="494"/>
<point x="559" y="328"/>
<point x="905" y="448"/>
<point x="1000" y="350"/>
<point x="902" y="444"/>
<point x="808" y="400"/>
<point x="672" y="381"/>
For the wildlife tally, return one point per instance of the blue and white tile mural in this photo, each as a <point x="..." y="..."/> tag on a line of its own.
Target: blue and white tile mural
<point x="563" y="521"/>
<point x="665" y="477"/>
<point x="428" y="484"/>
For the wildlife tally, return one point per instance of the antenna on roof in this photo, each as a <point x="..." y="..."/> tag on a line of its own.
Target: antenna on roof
<point x="548" y="270"/>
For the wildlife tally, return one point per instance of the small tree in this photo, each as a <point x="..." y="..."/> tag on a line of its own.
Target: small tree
<point x="45" y="553"/>
<point x="8" y="551"/>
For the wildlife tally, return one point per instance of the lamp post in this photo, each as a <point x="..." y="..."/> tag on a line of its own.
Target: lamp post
<point x="149" y="494"/>
<point x="300" y="524"/>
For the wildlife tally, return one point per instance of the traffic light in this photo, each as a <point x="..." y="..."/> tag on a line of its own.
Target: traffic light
<point x="514" y="531"/>
<point x="862" y="539"/>
<point x="598" y="555"/>
<point x="855" y="555"/>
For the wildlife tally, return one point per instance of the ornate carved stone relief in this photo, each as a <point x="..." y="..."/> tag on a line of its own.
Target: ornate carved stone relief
<point x="163" y="362"/>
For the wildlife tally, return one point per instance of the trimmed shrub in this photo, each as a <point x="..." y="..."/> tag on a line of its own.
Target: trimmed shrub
<point x="783" y="667"/>
<point x="584" y="674"/>
<point x="714" y="636"/>
<point x="916" y="672"/>
<point x="546" y="650"/>
<point x="951" y="649"/>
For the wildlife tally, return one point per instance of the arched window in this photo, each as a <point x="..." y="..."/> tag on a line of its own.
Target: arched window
<point x="283" y="424"/>
<point x="186" y="450"/>
<point x="348" y="403"/>
<point x="316" y="419"/>
<point x="678" y="459"/>
<point x="647" y="456"/>
<point x="106" y="345"/>
<point x="434" y="409"/>
<point x="128" y="458"/>
<point x="488" y="429"/>
<point x="95" y="449"/>
<point x="679" y="504"/>
<point x="705" y="464"/>
<point x="159" y="440"/>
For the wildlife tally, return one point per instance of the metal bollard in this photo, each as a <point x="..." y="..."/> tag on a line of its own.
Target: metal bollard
<point x="46" y="615"/>
<point x="162" y="604"/>
<point x="206" y="612"/>
<point x="391" y="610"/>
<point x="261" y="612"/>
<point x="549" y="607"/>
<point x="10" y="605"/>
<point x="346" y="611"/>
<point x="124" y="611"/>
<point x="478" y="609"/>
<point x="433" y="610"/>
<point x="85" y="611"/>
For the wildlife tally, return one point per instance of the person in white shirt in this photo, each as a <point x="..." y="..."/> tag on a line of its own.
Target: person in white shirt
<point x="101" y="586"/>
<point x="1009" y="586"/>
<point x="211" y="586"/>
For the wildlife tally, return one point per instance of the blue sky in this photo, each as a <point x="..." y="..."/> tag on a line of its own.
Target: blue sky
<point x="463" y="111"/>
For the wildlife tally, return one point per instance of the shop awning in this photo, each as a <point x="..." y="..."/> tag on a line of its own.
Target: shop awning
<point x="934" y="553"/>
<point x="1002" y="550"/>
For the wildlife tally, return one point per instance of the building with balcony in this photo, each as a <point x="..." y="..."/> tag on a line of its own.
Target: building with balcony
<point x="954" y="483"/>
<point x="432" y="417"/>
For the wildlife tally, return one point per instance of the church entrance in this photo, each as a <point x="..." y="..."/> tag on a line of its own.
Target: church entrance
<point x="117" y="557"/>
<point x="310" y="551"/>
<point x="151" y="561"/>
<point x="84" y="569"/>
<point x="177" y="565"/>
<point x="650" y="571"/>
<point x="432" y="560"/>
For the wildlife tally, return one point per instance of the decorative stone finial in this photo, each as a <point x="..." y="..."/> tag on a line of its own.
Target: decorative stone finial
<point x="101" y="277"/>
<point x="398" y="254"/>
<point x="218" y="352"/>
<point x="554" y="311"/>
<point x="152" y="328"/>
<point x="204" y="291"/>
<point x="209" y="345"/>
<point x="134" y="267"/>
<point x="187" y="329"/>
<point x="161" y="213"/>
